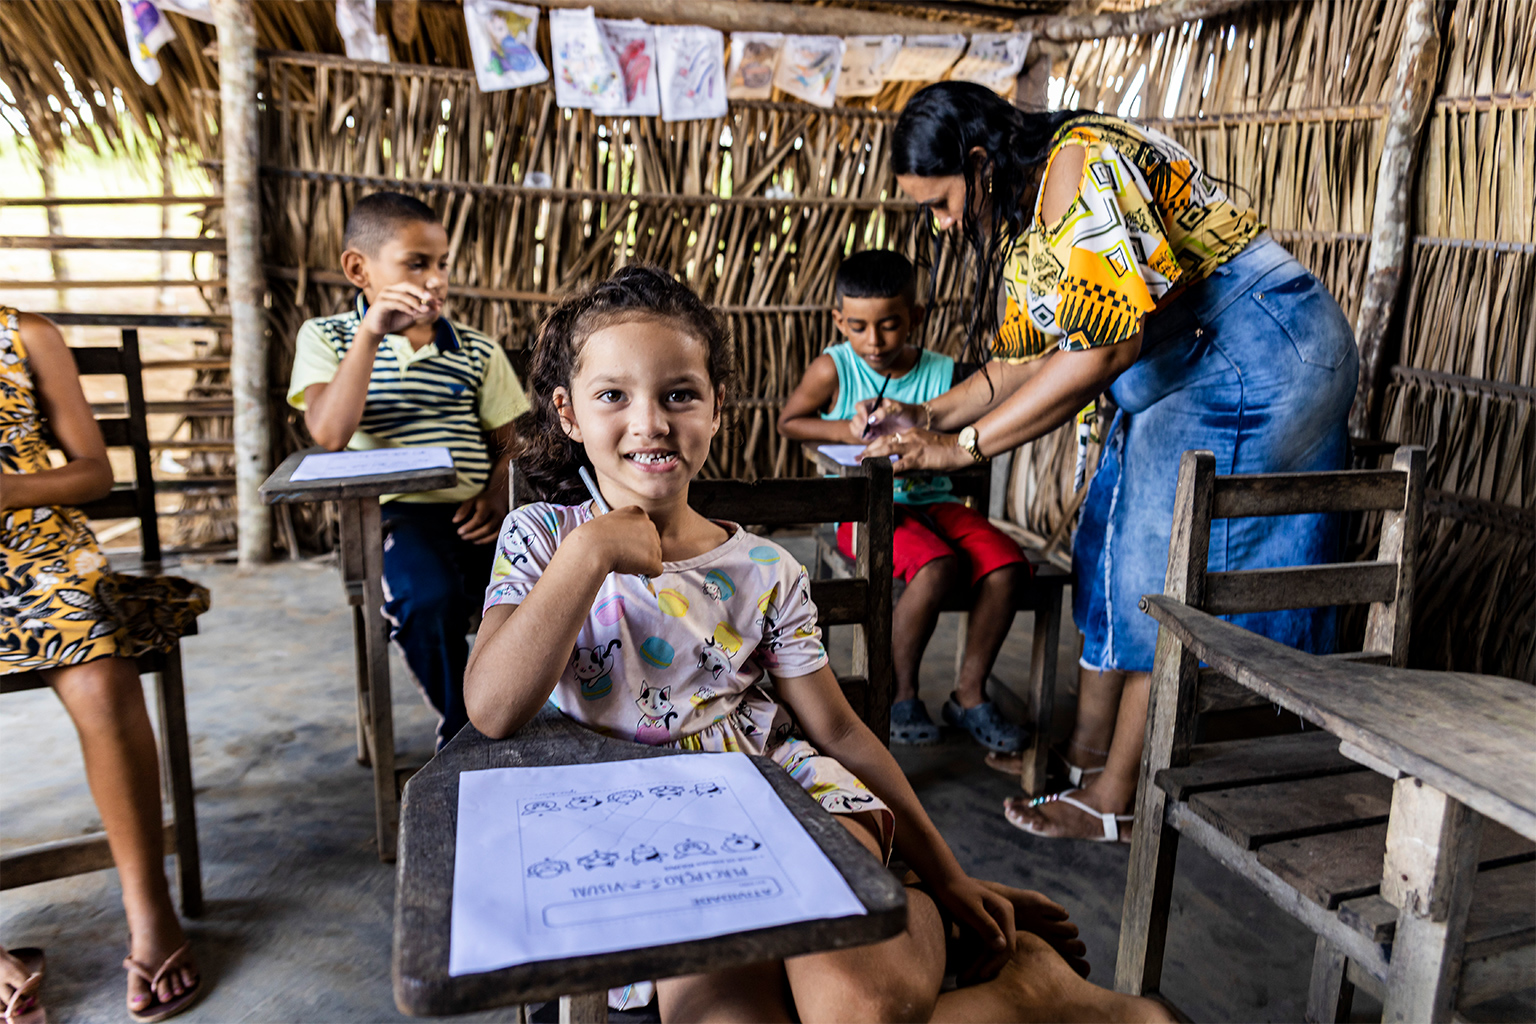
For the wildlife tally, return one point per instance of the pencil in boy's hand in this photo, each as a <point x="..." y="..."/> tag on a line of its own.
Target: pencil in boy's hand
<point x="604" y="508"/>
<point x="870" y="420"/>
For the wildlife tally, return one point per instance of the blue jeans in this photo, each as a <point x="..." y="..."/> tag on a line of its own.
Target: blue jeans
<point x="433" y="581"/>
<point x="1258" y="365"/>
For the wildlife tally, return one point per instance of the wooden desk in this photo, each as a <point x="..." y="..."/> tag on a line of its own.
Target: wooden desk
<point x="1458" y="747"/>
<point x="424" y="890"/>
<point x="362" y="574"/>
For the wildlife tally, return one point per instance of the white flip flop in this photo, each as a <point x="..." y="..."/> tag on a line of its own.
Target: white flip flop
<point x="1110" y="821"/>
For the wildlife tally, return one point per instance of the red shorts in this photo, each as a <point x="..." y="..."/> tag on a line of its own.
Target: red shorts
<point x="961" y="531"/>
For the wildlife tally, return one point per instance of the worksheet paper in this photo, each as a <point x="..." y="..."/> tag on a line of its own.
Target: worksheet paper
<point x="865" y="59"/>
<point x="374" y="461"/>
<point x="846" y="454"/>
<point x="925" y="58"/>
<point x="595" y="858"/>
<point x="993" y="60"/>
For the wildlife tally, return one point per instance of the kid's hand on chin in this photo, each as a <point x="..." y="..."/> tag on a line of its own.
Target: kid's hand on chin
<point x="398" y="307"/>
<point x="627" y="541"/>
<point x="920" y="449"/>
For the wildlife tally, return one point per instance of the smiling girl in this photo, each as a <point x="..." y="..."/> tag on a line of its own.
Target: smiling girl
<point x="629" y="379"/>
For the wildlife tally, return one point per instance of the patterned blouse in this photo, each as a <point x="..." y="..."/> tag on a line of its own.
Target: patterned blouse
<point x="1146" y="223"/>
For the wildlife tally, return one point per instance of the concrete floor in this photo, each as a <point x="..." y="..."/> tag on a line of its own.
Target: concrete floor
<point x="299" y="909"/>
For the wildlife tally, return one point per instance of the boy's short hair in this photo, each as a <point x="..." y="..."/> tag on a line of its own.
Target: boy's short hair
<point x="375" y="219"/>
<point x="876" y="274"/>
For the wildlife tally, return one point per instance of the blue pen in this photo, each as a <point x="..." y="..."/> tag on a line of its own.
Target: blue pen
<point x="603" y="507"/>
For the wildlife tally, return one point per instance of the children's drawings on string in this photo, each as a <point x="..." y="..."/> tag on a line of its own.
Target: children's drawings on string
<point x="753" y="58"/>
<point x="925" y="58"/>
<point x="993" y="60"/>
<point x="501" y="42"/>
<point x="586" y="75"/>
<point x="355" y="22"/>
<point x="147" y="31"/>
<point x="692" y="71"/>
<point x="632" y="47"/>
<point x="808" y="68"/>
<point x="864" y="64"/>
<point x="596" y="858"/>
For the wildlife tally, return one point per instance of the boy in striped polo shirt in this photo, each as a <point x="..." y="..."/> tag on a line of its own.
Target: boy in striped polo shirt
<point x="395" y="372"/>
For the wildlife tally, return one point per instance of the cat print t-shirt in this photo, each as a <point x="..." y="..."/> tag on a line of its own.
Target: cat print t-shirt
<point x="678" y="665"/>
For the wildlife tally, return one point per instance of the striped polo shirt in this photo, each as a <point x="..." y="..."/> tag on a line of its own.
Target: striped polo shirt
<point x="448" y="393"/>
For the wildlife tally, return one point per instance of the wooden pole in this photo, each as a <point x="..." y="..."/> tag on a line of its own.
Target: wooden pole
<point x="749" y="16"/>
<point x="242" y="230"/>
<point x="55" y="223"/>
<point x="1144" y="22"/>
<point x="1413" y="88"/>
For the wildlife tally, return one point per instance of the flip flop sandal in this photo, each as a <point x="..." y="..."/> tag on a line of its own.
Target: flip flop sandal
<point x="986" y="725"/>
<point x="1110" y="821"/>
<point x="1076" y="773"/>
<point x="910" y="724"/>
<point x="24" y="1006"/>
<point x="156" y="1010"/>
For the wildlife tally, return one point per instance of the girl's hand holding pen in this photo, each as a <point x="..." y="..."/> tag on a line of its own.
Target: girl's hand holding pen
<point x="623" y="541"/>
<point x="878" y="417"/>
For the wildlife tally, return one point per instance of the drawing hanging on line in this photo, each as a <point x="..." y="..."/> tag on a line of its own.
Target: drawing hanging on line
<point x="808" y="68"/>
<point x="594" y="858"/>
<point x="864" y="64"/>
<point x="753" y="57"/>
<point x="993" y="60"/>
<point x="355" y="22"/>
<point x="147" y="31"/>
<point x="632" y="47"/>
<point x="501" y="42"/>
<point x="586" y="76"/>
<point x="925" y="58"/>
<point x="692" y="69"/>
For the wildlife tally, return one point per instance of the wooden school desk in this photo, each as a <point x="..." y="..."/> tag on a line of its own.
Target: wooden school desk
<point x="362" y="574"/>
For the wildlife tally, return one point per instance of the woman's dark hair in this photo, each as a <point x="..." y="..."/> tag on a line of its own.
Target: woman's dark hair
<point x="935" y="136"/>
<point x="547" y="457"/>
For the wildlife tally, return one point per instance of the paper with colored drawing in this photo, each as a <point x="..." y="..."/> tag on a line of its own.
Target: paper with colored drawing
<point x="596" y="858"/>
<point x="502" y="43"/>
<point x="373" y="462"/>
<point x="692" y="72"/>
<point x="808" y="68"/>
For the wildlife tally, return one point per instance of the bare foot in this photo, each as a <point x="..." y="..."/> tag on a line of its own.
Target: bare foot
<point x="13" y="976"/>
<point x="150" y="948"/>
<point x="1057" y="819"/>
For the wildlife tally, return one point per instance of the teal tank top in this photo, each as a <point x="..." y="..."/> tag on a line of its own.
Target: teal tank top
<point x="929" y="378"/>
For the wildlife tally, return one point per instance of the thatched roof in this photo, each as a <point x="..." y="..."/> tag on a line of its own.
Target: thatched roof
<point x="50" y="49"/>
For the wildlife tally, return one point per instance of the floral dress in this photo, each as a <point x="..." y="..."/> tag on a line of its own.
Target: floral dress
<point x="58" y="603"/>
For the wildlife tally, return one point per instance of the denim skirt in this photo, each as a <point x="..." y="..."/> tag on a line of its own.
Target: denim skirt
<point x="1257" y="364"/>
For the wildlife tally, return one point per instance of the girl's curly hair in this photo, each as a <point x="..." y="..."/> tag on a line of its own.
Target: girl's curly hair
<point x="547" y="458"/>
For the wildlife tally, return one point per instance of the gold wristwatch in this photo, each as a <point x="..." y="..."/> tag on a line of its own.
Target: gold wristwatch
<point x="967" y="442"/>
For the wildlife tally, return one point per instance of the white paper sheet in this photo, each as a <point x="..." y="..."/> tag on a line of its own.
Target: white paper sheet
<point x="147" y="32"/>
<point x="993" y="60"/>
<point x="502" y="42"/>
<point x="925" y="58"/>
<point x="864" y="62"/>
<point x="808" y="68"/>
<point x="753" y="58"/>
<point x="692" y="72"/>
<point x="345" y="465"/>
<point x="596" y="858"/>
<point x="586" y="75"/>
<point x="355" y="20"/>
<point x="846" y="454"/>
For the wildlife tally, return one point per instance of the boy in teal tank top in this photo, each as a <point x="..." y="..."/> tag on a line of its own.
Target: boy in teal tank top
<point x="940" y="543"/>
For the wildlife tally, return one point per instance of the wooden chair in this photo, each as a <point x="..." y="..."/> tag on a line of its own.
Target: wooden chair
<point x="67" y="857"/>
<point x="1300" y="816"/>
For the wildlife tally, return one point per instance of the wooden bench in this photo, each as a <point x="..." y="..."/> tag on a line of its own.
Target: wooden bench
<point x="1306" y="820"/>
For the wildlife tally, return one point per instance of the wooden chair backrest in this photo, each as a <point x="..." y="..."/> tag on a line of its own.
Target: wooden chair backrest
<point x="136" y="499"/>
<point x="1385" y="583"/>
<point x="862" y="600"/>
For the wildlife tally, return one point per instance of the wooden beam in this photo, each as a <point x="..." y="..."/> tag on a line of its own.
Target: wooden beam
<point x="1413" y="89"/>
<point x="113" y="244"/>
<point x="1145" y="22"/>
<point x="114" y="201"/>
<point x="746" y="16"/>
<point x="242" y="228"/>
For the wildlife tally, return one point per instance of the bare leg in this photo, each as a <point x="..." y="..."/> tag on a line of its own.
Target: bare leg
<point x="1112" y="791"/>
<point x="913" y="620"/>
<point x="757" y="992"/>
<point x="1098" y="705"/>
<point x="991" y="618"/>
<point x="106" y="701"/>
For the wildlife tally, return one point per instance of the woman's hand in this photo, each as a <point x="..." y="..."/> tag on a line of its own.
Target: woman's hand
<point x="989" y="914"/>
<point x="623" y="541"/>
<point x="920" y="449"/>
<point x="869" y="421"/>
